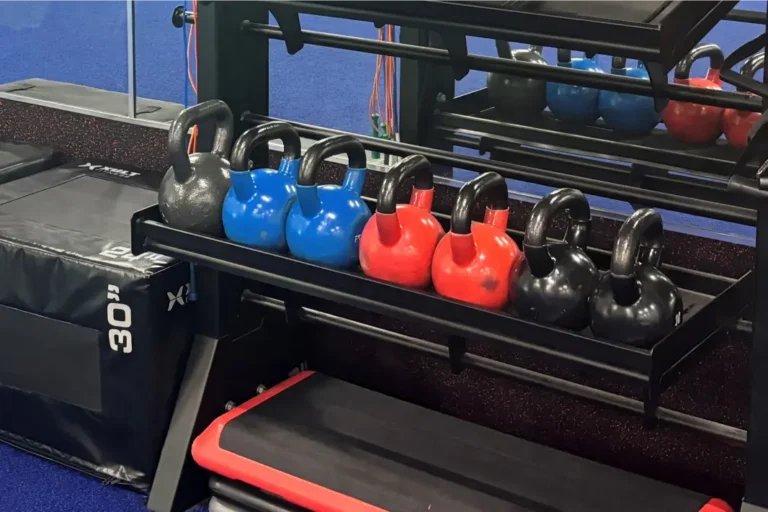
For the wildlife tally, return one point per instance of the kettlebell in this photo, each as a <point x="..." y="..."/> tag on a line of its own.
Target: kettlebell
<point x="258" y="202"/>
<point x="398" y="242"/>
<point x="693" y="123"/>
<point x="557" y="278"/>
<point x="192" y="192"/>
<point x="325" y="223"/>
<point x="738" y="123"/>
<point x="635" y="303"/>
<point x="515" y="96"/>
<point x="574" y="103"/>
<point x="628" y="113"/>
<point x="477" y="262"/>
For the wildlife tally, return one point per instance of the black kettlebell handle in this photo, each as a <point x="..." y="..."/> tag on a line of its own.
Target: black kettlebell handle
<point x="415" y="166"/>
<point x="640" y="240"/>
<point x="503" y="50"/>
<point x="753" y="65"/>
<point x="489" y="184"/>
<point x="535" y="244"/>
<point x="266" y="132"/>
<point x="716" y="60"/>
<point x="326" y="148"/>
<point x="215" y="110"/>
<point x="564" y="55"/>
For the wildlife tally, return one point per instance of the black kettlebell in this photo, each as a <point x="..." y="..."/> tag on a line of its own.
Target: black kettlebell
<point x="557" y="278"/>
<point x="192" y="191"/>
<point x="516" y="96"/>
<point x="635" y="303"/>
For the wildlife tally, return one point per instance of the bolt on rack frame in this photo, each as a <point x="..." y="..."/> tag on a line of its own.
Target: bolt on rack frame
<point x="718" y="183"/>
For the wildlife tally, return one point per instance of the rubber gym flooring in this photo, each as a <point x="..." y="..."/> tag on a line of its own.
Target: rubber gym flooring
<point x="85" y="43"/>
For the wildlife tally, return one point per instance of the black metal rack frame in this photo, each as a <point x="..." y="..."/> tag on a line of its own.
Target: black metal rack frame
<point x="432" y="122"/>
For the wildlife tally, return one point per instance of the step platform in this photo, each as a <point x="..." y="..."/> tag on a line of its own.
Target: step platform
<point x="21" y="160"/>
<point x="317" y="443"/>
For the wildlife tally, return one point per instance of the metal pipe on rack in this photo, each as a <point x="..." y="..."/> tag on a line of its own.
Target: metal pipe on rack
<point x="494" y="367"/>
<point x="546" y="177"/>
<point x="745" y="16"/>
<point x="524" y="69"/>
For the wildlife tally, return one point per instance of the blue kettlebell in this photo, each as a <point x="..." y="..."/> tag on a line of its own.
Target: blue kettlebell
<point x="257" y="204"/>
<point x="325" y="222"/>
<point x="628" y="113"/>
<point x="574" y="103"/>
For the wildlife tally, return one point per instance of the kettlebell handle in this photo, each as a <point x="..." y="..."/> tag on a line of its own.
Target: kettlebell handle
<point x="535" y="244"/>
<point x="640" y="240"/>
<point x="753" y="65"/>
<point x="489" y="184"/>
<point x="327" y="148"/>
<point x="415" y="166"/>
<point x="215" y="110"/>
<point x="716" y="60"/>
<point x="503" y="50"/>
<point x="261" y="134"/>
<point x="564" y="55"/>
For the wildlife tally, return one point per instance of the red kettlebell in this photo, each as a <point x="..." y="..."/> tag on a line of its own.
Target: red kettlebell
<point x="693" y="123"/>
<point x="398" y="242"/>
<point x="737" y="123"/>
<point x="477" y="262"/>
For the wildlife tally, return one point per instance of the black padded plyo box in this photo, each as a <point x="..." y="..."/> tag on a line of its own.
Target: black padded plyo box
<point x="327" y="445"/>
<point x="92" y="339"/>
<point x="21" y="160"/>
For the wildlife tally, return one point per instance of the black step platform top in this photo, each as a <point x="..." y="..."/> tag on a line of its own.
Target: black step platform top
<point x="328" y="445"/>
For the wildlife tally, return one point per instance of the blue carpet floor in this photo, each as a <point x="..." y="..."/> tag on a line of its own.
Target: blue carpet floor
<point x="85" y="43"/>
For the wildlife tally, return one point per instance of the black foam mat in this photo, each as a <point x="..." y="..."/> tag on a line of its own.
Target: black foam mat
<point x="401" y="457"/>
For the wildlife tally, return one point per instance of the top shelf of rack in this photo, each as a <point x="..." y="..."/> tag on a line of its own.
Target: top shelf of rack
<point x="660" y="32"/>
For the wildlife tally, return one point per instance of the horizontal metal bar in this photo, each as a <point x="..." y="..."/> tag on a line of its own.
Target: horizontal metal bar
<point x="535" y="175"/>
<point x="709" y="190"/>
<point x="525" y="69"/>
<point x="745" y="16"/>
<point x="601" y="36"/>
<point x="499" y="368"/>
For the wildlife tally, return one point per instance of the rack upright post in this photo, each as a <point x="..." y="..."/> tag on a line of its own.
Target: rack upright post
<point x="756" y="473"/>
<point x="242" y="83"/>
<point x="423" y="85"/>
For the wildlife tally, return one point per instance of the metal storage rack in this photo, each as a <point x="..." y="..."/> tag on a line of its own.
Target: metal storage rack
<point x="717" y="182"/>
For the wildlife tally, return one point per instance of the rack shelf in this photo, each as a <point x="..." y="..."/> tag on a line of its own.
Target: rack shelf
<point x="657" y="148"/>
<point x="660" y="88"/>
<point x="706" y="313"/>
<point x="660" y="32"/>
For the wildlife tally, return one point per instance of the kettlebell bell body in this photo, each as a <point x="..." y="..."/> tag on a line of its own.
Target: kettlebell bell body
<point x="693" y="123"/>
<point x="259" y="200"/>
<point x="628" y="113"/>
<point x="515" y="96"/>
<point x="738" y="123"/>
<point x="192" y="191"/>
<point x="574" y="103"/>
<point x="325" y="222"/>
<point x="557" y="278"/>
<point x="635" y="303"/>
<point x="475" y="262"/>
<point x="398" y="242"/>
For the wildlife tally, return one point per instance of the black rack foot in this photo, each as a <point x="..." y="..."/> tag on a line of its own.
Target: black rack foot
<point x="228" y="369"/>
<point x="179" y="483"/>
